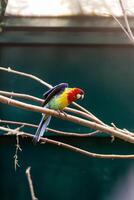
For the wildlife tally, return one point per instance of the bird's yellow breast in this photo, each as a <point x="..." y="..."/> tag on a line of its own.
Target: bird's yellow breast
<point x="62" y="101"/>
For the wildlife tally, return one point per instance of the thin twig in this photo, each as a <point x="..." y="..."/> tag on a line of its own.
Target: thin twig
<point x="94" y="133"/>
<point x="90" y="115"/>
<point x="122" y="27"/>
<point x="30" y="183"/>
<point x="120" y="24"/>
<point x="67" y="146"/>
<point x="63" y="133"/>
<point x="20" y="95"/>
<point x="18" y="148"/>
<point x="126" y="20"/>
<point x="26" y="75"/>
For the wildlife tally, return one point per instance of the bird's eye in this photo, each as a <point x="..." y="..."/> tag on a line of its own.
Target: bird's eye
<point x="78" y="96"/>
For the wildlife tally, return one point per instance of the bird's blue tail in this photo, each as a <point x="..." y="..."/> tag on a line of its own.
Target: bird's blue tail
<point x="42" y="127"/>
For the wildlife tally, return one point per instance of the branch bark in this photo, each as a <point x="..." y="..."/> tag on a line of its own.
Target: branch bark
<point x="126" y="20"/>
<point x="23" y="96"/>
<point x="77" y="120"/>
<point x="40" y="101"/>
<point x="52" y="130"/>
<point x="30" y="182"/>
<point x="126" y="29"/>
<point x="67" y="146"/>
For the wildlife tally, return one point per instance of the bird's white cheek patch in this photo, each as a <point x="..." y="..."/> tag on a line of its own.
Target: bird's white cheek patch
<point x="78" y="96"/>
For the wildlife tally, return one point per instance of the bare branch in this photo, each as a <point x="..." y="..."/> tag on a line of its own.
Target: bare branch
<point x="30" y="182"/>
<point x="18" y="123"/>
<point x="77" y="120"/>
<point x="26" y="75"/>
<point x="126" y="20"/>
<point x="52" y="130"/>
<point x="122" y="27"/>
<point x="68" y="109"/>
<point x="67" y="146"/>
<point x="90" y="115"/>
<point x="74" y="134"/>
<point x="117" y="20"/>
<point x="20" y="95"/>
<point x="128" y="32"/>
<point x="18" y="148"/>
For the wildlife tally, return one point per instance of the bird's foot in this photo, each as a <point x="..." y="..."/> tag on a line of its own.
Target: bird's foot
<point x="62" y="112"/>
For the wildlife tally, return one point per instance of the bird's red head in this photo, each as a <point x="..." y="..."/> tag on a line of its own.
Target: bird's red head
<point x="74" y="94"/>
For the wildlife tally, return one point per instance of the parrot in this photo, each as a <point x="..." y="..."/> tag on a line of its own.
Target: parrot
<point x="57" y="98"/>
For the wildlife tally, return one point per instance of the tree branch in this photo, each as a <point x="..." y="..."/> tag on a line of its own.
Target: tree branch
<point x="127" y="31"/>
<point x="23" y="96"/>
<point x="26" y="75"/>
<point x="126" y="20"/>
<point x="107" y="129"/>
<point x="67" y="146"/>
<point x="30" y="182"/>
<point x="40" y="101"/>
<point x="52" y="130"/>
<point x="18" y="148"/>
<point x="68" y="109"/>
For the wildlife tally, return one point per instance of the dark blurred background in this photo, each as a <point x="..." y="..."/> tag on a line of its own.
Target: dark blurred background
<point x="100" y="61"/>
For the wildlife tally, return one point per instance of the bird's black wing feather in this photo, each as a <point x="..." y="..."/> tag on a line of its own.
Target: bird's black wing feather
<point x="54" y="91"/>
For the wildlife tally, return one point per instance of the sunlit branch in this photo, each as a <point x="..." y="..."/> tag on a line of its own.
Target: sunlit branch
<point x="126" y="20"/>
<point x="40" y="101"/>
<point x="77" y="120"/>
<point x="30" y="183"/>
<point x="26" y="75"/>
<point x="23" y="96"/>
<point x="127" y="31"/>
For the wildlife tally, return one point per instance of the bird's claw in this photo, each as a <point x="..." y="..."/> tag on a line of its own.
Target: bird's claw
<point x="62" y="112"/>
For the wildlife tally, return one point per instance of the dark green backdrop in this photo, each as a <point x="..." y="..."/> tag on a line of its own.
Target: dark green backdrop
<point x="106" y="73"/>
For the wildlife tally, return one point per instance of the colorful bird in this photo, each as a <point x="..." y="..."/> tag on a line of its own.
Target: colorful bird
<point x="57" y="98"/>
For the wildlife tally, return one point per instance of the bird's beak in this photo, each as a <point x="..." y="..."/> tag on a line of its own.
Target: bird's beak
<point x="82" y="96"/>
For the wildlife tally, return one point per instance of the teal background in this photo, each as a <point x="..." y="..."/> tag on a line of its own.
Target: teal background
<point x="106" y="73"/>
